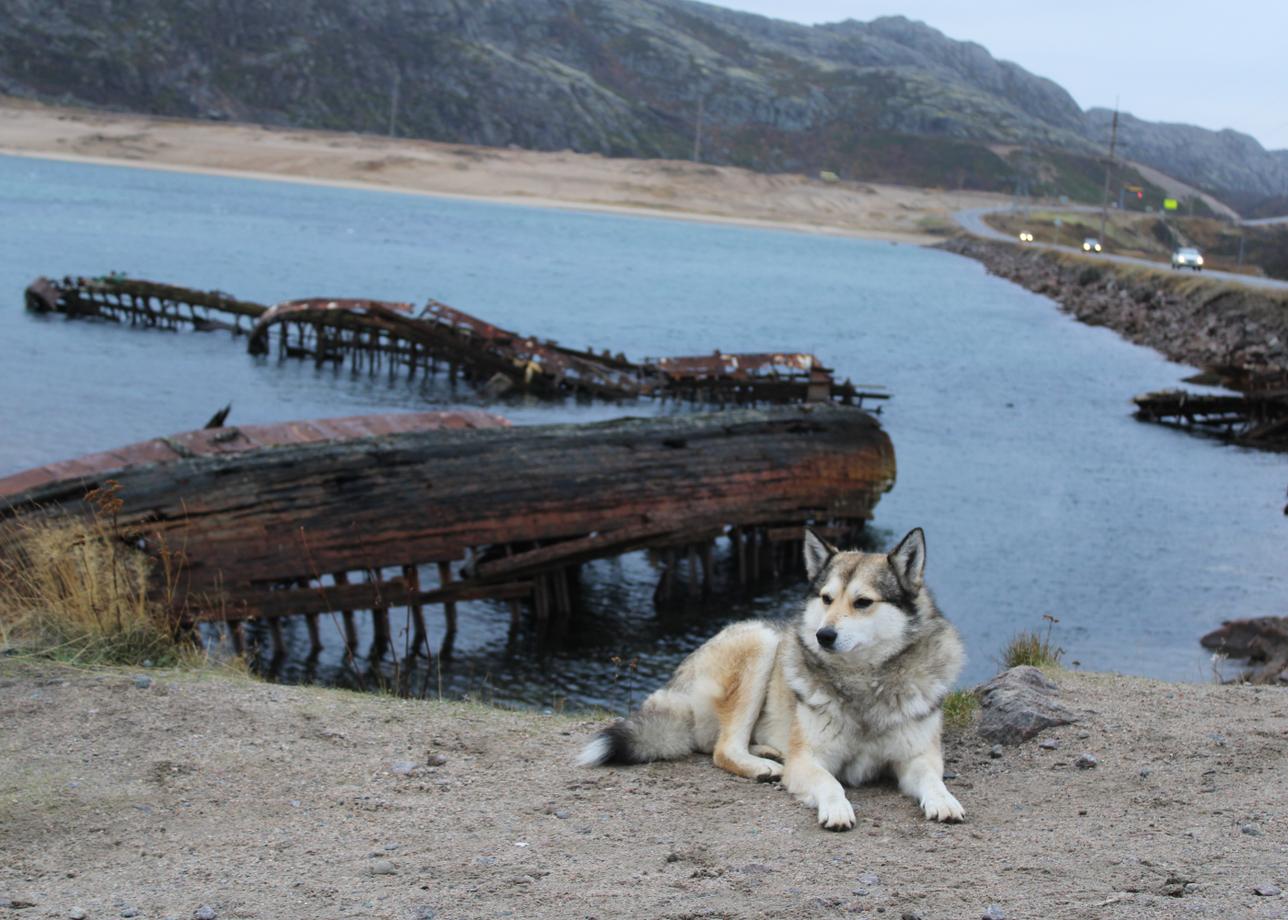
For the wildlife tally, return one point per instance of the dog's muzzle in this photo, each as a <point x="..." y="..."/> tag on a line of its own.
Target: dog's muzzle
<point x="826" y="637"/>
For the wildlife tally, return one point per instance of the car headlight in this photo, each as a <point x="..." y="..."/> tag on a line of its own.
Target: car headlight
<point x="1198" y="260"/>
<point x="1097" y="247"/>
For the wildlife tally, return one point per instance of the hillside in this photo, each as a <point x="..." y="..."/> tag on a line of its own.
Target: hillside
<point x="889" y="100"/>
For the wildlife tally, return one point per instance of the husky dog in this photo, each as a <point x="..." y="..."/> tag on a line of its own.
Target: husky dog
<point x="848" y="689"/>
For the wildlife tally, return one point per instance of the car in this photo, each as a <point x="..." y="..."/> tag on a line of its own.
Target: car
<point x="1188" y="257"/>
<point x="1091" y="244"/>
<point x="1026" y="237"/>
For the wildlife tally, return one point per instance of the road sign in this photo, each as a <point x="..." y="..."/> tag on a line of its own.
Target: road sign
<point x="1170" y="204"/>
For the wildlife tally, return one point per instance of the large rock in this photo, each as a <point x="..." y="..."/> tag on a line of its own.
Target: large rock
<point x="1019" y="703"/>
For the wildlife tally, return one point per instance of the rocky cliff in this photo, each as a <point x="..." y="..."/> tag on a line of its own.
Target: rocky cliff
<point x="890" y="99"/>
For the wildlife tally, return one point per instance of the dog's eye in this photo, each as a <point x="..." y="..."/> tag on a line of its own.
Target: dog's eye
<point x="826" y="599"/>
<point x="864" y="602"/>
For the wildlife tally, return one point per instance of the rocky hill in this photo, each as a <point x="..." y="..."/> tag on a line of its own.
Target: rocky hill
<point x="891" y="99"/>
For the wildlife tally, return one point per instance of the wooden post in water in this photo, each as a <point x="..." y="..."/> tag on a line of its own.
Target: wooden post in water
<point x="419" y="637"/>
<point x="381" y="641"/>
<point x="449" y="610"/>
<point x="315" y="636"/>
<point x="350" y="627"/>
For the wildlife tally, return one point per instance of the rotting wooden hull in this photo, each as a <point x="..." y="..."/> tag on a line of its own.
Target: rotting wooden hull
<point x="504" y="512"/>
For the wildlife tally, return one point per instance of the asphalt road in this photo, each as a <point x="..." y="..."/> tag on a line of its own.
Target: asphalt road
<point x="972" y="221"/>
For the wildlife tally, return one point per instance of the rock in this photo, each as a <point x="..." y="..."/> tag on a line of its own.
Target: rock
<point x="382" y="867"/>
<point x="204" y="912"/>
<point x="950" y="774"/>
<point x="403" y="767"/>
<point x="142" y="681"/>
<point x="910" y="915"/>
<point x="1017" y="704"/>
<point x="77" y="913"/>
<point x="993" y="913"/>
<point x="435" y="760"/>
<point x="130" y="912"/>
<point x="869" y="879"/>
<point x="996" y="751"/>
<point x="1144" y="772"/>
<point x="1267" y="891"/>
<point x="1086" y="761"/>
<point x="1048" y="744"/>
<point x="1251" y="830"/>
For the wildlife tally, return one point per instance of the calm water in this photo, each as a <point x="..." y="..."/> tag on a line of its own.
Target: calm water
<point x="1011" y="422"/>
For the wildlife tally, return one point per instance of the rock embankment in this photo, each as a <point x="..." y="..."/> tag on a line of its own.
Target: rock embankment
<point x="1189" y="318"/>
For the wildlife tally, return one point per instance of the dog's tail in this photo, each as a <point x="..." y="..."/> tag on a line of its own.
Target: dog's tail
<point x="654" y="733"/>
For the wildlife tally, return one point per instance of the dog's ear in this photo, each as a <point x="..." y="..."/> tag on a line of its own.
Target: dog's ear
<point x="817" y="553"/>
<point x="909" y="559"/>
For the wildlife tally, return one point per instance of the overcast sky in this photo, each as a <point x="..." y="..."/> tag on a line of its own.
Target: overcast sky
<point x="1214" y="64"/>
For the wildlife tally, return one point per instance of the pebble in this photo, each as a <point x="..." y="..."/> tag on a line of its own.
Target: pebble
<point x="1048" y="744"/>
<point x="869" y="879"/>
<point x="382" y="867"/>
<point x="204" y="912"/>
<point x="77" y="913"/>
<point x="143" y="682"/>
<point x="996" y="751"/>
<point x="435" y="760"/>
<point x="562" y="815"/>
<point x="993" y="913"/>
<point x="403" y="767"/>
<point x="1251" y="830"/>
<point x="1144" y="772"/>
<point x="1086" y="761"/>
<point x="1267" y="891"/>
<point x="910" y="915"/>
<point x="130" y="912"/>
<point x="950" y="774"/>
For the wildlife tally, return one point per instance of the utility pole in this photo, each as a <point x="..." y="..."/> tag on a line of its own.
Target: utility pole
<point x="393" y="104"/>
<point x="1109" y="165"/>
<point x="697" y="130"/>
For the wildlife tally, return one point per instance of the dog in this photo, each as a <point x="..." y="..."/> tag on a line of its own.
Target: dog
<point x="850" y="688"/>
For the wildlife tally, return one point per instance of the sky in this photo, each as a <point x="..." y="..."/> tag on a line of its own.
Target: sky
<point x="1217" y="65"/>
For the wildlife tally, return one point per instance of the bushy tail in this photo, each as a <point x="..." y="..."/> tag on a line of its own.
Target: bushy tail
<point x="654" y="733"/>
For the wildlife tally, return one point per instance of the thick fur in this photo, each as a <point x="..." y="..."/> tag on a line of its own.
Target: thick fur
<point x="850" y="688"/>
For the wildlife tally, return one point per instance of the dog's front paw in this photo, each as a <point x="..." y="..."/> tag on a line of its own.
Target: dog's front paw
<point x="943" y="806"/>
<point x="836" y="814"/>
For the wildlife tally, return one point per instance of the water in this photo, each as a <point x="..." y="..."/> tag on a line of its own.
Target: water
<point x="1011" y="422"/>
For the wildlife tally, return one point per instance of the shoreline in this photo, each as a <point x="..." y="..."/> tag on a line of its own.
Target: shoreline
<point x="162" y="791"/>
<point x="563" y="180"/>
<point x="584" y="207"/>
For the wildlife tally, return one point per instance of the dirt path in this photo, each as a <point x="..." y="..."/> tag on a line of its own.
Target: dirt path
<point x="287" y="802"/>
<point x="665" y="188"/>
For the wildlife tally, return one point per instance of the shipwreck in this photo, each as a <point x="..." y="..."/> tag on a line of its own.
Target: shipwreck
<point x="362" y="515"/>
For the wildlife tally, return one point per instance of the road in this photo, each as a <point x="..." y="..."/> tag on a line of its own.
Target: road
<point x="972" y="221"/>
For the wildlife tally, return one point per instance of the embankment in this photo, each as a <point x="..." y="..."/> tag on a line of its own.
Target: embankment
<point x="1188" y="317"/>
<point x="123" y="795"/>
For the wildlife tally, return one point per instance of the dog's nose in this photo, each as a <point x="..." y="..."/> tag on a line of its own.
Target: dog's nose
<point x="826" y="637"/>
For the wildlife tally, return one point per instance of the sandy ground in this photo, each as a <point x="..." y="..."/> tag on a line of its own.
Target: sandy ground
<point x="287" y="802"/>
<point x="658" y="187"/>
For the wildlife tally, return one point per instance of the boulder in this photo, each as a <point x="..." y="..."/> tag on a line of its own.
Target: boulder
<point x="1018" y="703"/>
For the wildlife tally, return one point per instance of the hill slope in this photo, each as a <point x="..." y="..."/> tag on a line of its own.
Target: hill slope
<point x="891" y="99"/>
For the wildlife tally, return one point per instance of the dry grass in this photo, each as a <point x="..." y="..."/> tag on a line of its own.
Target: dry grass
<point x="960" y="708"/>
<point x="74" y="589"/>
<point x="1033" y="649"/>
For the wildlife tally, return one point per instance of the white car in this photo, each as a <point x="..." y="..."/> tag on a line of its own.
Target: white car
<point x="1188" y="257"/>
<point x="1091" y="244"/>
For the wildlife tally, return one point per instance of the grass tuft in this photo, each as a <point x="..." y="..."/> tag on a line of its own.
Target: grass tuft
<point x="73" y="589"/>
<point x="960" y="707"/>
<point x="1033" y="649"/>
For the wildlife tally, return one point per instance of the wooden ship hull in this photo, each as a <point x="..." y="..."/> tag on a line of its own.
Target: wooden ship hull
<point x="364" y="519"/>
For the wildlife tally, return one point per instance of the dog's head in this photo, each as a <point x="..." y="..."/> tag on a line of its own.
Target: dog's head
<point x="868" y="603"/>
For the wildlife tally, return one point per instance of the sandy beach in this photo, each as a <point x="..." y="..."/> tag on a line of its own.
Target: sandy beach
<point x="659" y="188"/>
